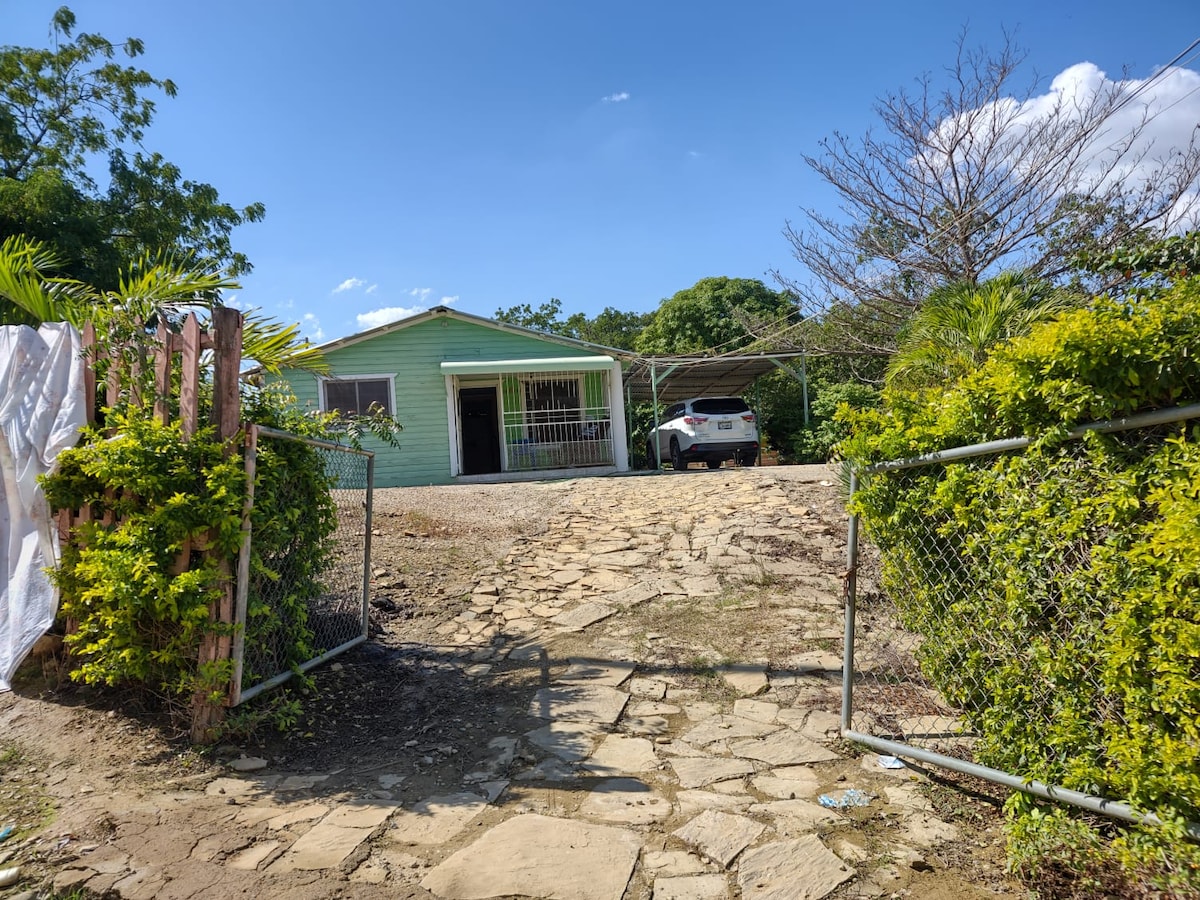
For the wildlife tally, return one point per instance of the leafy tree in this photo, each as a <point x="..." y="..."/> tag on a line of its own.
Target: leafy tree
<point x="715" y="315"/>
<point x="545" y="318"/>
<point x="964" y="180"/>
<point x="1174" y="257"/>
<point x="62" y="110"/>
<point x="153" y="287"/>
<point x="959" y="324"/>
<point x="611" y="327"/>
<point x="818" y="442"/>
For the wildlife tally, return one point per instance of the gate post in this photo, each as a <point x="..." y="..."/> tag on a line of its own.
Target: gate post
<point x="226" y="415"/>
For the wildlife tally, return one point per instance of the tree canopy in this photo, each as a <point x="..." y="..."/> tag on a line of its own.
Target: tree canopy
<point x="964" y="180"/>
<point x="68" y="110"/>
<point x="715" y="315"/>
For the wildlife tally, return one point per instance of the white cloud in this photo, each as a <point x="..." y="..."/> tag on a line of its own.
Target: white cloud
<point x="286" y="304"/>
<point x="372" y="289"/>
<point x="420" y="293"/>
<point x="348" y="285"/>
<point x="311" y="326"/>
<point x="620" y="97"/>
<point x="694" y="154"/>
<point x="377" y="317"/>
<point x="448" y="301"/>
<point x="1146" y="129"/>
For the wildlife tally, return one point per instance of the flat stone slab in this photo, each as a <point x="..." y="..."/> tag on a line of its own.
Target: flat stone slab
<point x="635" y="594"/>
<point x="650" y="688"/>
<point x="651" y="725"/>
<point x="569" y="741"/>
<point x="694" y="801"/>
<point x="720" y="836"/>
<point x="540" y="856"/>
<point x="625" y="801"/>
<point x="745" y="678"/>
<point x="360" y="815"/>
<point x="251" y="858"/>
<point x="784" y="748"/>
<point x="691" y="887"/>
<point x="925" y="830"/>
<point x="437" y="819"/>
<point x="324" y="846"/>
<point x="802" y="815"/>
<point x="619" y="559"/>
<point x="611" y="673"/>
<point x="670" y="863"/>
<point x="801" y="782"/>
<point x="721" y="728"/>
<point x="549" y="770"/>
<point x="582" y="616"/>
<point x="579" y="703"/>
<point x="697" y="771"/>
<point x="756" y="710"/>
<point x="621" y="755"/>
<point x="799" y="869"/>
<point x="290" y="817"/>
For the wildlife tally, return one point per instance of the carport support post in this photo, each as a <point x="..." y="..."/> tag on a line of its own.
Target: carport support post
<point x="803" y="379"/>
<point x="629" y="421"/>
<point x="654" y="395"/>
<point x="804" y="387"/>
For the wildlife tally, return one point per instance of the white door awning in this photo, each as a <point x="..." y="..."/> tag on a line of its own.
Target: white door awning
<point x="552" y="364"/>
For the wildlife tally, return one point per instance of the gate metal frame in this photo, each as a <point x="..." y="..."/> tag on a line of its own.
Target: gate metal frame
<point x="1112" y="808"/>
<point x="253" y="432"/>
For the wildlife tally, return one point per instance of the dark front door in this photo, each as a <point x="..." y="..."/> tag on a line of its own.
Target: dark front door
<point x="480" y="425"/>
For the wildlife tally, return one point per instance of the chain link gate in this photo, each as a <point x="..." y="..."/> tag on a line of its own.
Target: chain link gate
<point x="895" y="646"/>
<point x="289" y="592"/>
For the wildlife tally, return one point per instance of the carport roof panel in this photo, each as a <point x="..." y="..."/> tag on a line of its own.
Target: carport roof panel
<point x="681" y="378"/>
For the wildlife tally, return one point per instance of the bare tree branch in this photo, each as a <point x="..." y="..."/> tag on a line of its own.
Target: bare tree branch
<point x="978" y="176"/>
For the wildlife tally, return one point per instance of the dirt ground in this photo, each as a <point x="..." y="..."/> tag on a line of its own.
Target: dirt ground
<point x="405" y="702"/>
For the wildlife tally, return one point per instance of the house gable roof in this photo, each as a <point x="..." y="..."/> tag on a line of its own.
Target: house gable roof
<point x="439" y="312"/>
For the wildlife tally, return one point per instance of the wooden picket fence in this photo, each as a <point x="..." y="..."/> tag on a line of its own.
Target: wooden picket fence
<point x="224" y="339"/>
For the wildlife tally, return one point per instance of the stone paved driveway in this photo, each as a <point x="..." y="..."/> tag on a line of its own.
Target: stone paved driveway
<point x="687" y="627"/>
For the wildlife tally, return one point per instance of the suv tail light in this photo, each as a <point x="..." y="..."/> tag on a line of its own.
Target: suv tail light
<point x="748" y="417"/>
<point x="694" y="420"/>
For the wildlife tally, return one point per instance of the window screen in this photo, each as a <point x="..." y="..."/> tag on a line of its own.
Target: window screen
<point x="356" y="396"/>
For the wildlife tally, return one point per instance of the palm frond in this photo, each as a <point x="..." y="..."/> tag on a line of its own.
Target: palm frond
<point x="275" y="345"/>
<point x="28" y="294"/>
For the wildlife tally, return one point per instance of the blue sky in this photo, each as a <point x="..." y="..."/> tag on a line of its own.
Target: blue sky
<point x="485" y="154"/>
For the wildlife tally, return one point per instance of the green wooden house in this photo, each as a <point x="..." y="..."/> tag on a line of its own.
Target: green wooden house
<point x="479" y="400"/>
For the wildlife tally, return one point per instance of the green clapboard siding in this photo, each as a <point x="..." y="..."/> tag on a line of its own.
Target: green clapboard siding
<point x="413" y="355"/>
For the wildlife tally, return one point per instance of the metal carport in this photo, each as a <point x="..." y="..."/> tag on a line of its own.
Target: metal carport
<point x="668" y="379"/>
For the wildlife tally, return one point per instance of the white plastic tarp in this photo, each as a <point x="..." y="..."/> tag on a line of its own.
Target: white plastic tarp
<point x="41" y="412"/>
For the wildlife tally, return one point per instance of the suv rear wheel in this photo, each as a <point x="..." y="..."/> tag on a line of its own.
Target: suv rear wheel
<point x="677" y="462"/>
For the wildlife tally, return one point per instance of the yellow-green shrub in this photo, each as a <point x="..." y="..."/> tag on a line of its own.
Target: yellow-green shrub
<point x="1083" y="557"/>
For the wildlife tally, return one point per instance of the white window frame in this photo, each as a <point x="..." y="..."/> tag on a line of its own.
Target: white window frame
<point x="322" y="380"/>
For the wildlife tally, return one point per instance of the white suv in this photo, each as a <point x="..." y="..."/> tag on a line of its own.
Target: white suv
<point x="712" y="429"/>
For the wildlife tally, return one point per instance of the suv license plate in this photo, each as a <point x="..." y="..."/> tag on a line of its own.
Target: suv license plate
<point x="725" y="426"/>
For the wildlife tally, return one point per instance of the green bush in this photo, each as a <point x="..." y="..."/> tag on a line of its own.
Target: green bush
<point x="1078" y="562"/>
<point x="137" y="621"/>
<point x="817" y="442"/>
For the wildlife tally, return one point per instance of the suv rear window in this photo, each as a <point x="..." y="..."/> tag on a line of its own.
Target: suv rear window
<point x="716" y="406"/>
